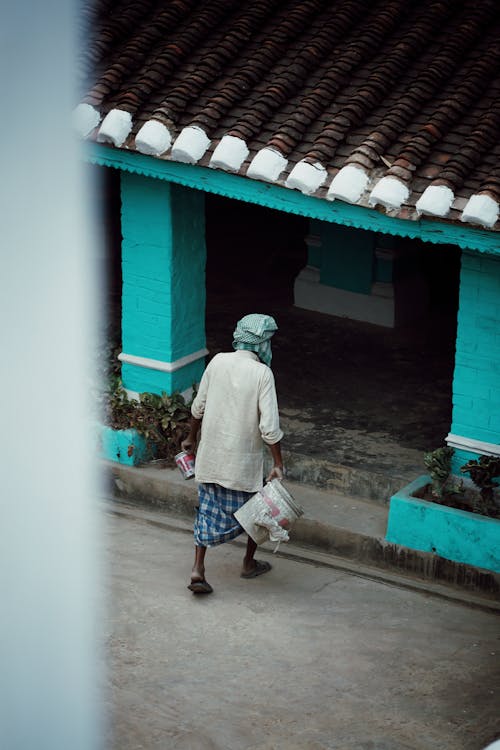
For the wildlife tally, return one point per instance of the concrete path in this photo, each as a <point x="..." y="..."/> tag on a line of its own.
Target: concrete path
<point x="304" y="658"/>
<point x="338" y="525"/>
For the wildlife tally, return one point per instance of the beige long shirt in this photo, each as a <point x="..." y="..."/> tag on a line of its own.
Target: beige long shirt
<point x="237" y="402"/>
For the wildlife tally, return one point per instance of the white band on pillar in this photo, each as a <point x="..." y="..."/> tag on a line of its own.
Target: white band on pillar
<point x="187" y="395"/>
<point x="157" y="364"/>
<point x="475" y="446"/>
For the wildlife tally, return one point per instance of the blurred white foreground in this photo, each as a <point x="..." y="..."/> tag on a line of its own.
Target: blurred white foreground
<point x="48" y="695"/>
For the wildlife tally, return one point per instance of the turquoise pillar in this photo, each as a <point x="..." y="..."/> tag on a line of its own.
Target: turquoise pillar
<point x="347" y="259"/>
<point x="340" y="279"/>
<point x="363" y="275"/>
<point x="163" y="300"/>
<point x="476" y="383"/>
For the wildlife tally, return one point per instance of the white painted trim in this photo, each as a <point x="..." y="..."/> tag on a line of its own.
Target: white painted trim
<point x="115" y="127"/>
<point x="310" y="294"/>
<point x="475" y="446"/>
<point x="153" y="139"/>
<point x="383" y="289"/>
<point x="230" y="153"/>
<point x="349" y="184"/>
<point x="481" y="209"/>
<point x="389" y="192"/>
<point x="156" y="364"/>
<point x="267" y="164"/>
<point x="187" y="395"/>
<point x="190" y="145"/>
<point x="436" y="200"/>
<point x="307" y="177"/>
<point x="133" y="395"/>
<point x="85" y="119"/>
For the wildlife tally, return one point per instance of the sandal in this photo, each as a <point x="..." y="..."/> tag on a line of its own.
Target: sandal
<point x="200" y="587"/>
<point x="260" y="567"/>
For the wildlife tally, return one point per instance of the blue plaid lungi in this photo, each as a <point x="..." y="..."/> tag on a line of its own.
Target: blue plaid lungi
<point x="215" y="523"/>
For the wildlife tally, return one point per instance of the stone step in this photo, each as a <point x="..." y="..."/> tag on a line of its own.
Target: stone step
<point x="353" y="481"/>
<point x="362" y="463"/>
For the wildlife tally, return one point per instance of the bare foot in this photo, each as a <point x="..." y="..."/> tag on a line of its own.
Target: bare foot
<point x="198" y="573"/>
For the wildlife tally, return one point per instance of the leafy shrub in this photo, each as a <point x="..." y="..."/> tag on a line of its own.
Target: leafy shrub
<point x="484" y="472"/>
<point x="162" y="420"/>
<point x="447" y="490"/>
<point x="438" y="464"/>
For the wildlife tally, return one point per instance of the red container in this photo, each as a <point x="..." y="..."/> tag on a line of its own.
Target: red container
<point x="185" y="462"/>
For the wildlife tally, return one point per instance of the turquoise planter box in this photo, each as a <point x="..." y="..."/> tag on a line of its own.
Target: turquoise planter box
<point x="450" y="533"/>
<point x="124" y="446"/>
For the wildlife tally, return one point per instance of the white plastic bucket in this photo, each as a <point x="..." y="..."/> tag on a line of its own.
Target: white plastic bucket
<point x="269" y="514"/>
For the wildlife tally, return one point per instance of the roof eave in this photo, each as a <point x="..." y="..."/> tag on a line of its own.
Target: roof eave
<point x="282" y="198"/>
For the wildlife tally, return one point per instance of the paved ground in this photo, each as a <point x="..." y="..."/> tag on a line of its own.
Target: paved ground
<point x="304" y="658"/>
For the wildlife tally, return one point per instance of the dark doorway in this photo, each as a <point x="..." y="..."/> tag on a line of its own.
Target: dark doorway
<point x="354" y="397"/>
<point x="107" y="212"/>
<point x="441" y="267"/>
<point x="253" y="253"/>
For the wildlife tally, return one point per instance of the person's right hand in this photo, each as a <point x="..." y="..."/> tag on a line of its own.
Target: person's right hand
<point x="188" y="444"/>
<point x="275" y="473"/>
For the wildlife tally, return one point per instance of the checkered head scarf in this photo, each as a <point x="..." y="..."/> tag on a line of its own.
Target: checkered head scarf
<point x="253" y="333"/>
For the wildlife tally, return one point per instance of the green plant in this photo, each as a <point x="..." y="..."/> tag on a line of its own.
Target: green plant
<point x="438" y="464"/>
<point x="483" y="473"/>
<point x="162" y="420"/>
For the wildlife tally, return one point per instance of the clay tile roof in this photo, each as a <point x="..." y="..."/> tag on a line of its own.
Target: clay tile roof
<point x="389" y="103"/>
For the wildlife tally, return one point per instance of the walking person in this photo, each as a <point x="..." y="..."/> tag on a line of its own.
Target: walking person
<point x="235" y="412"/>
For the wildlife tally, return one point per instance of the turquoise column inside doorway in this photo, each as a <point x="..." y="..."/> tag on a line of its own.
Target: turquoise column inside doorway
<point x="363" y="275"/>
<point x="348" y="274"/>
<point x="348" y="257"/>
<point x="475" y="426"/>
<point x="163" y="301"/>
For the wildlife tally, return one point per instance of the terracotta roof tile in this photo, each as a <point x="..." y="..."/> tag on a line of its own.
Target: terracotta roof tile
<point x="407" y="89"/>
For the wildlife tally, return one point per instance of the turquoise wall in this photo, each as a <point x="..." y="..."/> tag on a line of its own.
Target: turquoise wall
<point x="314" y="253"/>
<point x="145" y="380"/>
<point x="459" y="459"/>
<point x="345" y="258"/>
<point x="476" y="382"/>
<point x="124" y="446"/>
<point x="349" y="259"/>
<point x="163" y="269"/>
<point x="447" y="532"/>
<point x="384" y="270"/>
<point x="384" y="266"/>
